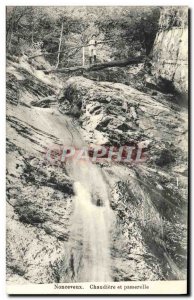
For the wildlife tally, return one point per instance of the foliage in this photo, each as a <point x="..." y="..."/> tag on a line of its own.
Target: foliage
<point x="132" y="29"/>
<point x="173" y="17"/>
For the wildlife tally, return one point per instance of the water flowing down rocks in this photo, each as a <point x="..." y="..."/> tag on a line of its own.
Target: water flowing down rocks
<point x="84" y="221"/>
<point x="89" y="245"/>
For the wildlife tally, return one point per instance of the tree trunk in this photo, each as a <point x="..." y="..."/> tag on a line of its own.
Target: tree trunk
<point x="60" y="41"/>
<point x="96" y="67"/>
<point x="32" y="37"/>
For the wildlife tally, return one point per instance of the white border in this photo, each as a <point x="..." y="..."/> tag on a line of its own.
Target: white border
<point x="99" y="2"/>
<point x="108" y="288"/>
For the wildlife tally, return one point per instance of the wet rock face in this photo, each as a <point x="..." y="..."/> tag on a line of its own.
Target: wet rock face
<point x="25" y="84"/>
<point x="145" y="198"/>
<point x="148" y="238"/>
<point x="39" y="195"/>
<point x="38" y="216"/>
<point x="170" y="50"/>
<point x="116" y="114"/>
<point x="132" y="257"/>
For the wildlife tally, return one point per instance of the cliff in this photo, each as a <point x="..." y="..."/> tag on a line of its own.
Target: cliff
<point x="170" y="50"/>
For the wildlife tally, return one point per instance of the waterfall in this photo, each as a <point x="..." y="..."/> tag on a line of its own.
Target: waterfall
<point x="88" y="255"/>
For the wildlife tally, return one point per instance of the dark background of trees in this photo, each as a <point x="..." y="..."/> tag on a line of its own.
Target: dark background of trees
<point x="133" y="30"/>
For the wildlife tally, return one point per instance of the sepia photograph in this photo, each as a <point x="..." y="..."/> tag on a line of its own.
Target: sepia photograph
<point x="97" y="150"/>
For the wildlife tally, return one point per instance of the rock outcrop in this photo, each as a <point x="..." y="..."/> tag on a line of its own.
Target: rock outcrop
<point x="148" y="200"/>
<point x="39" y="195"/>
<point x="170" y="50"/>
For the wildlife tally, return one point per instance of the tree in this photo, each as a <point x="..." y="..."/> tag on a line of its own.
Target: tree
<point x="60" y="41"/>
<point x="132" y="28"/>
